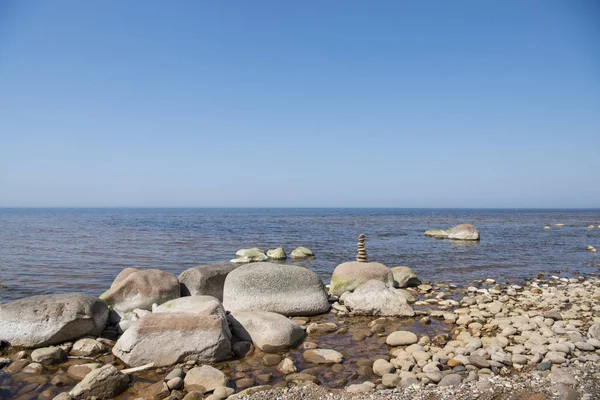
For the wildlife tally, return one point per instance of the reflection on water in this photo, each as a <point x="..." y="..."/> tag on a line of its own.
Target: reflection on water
<point x="64" y="250"/>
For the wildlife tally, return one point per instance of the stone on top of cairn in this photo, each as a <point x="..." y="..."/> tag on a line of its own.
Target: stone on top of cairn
<point x="362" y="253"/>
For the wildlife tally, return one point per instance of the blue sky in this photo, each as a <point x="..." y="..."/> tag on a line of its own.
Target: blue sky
<point x="311" y="103"/>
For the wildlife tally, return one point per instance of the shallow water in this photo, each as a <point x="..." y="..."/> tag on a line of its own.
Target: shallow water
<point x="65" y="250"/>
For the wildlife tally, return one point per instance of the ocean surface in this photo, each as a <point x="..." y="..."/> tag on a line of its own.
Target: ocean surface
<point x="66" y="250"/>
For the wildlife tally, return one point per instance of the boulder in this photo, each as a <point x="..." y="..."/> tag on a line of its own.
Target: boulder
<point x="350" y="275"/>
<point x="104" y="383"/>
<point x="375" y="298"/>
<point x="191" y="304"/>
<point x="405" y="277"/>
<point x="463" y="232"/>
<point x="268" y="331"/>
<point x="277" y="254"/>
<point x="249" y="255"/>
<point x="167" y="338"/>
<point x="205" y="279"/>
<point x="284" y="289"/>
<point x="437" y="233"/>
<point x="50" y="319"/>
<point x="204" y="379"/>
<point x="302" y="252"/>
<point x="134" y="288"/>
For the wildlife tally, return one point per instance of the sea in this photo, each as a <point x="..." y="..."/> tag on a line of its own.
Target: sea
<point x="60" y="250"/>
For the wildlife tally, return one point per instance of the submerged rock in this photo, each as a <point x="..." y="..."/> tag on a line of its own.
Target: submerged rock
<point x="168" y="338"/>
<point x="375" y="298"/>
<point x="205" y="280"/>
<point x="436" y="233"/>
<point x="350" y="275"/>
<point x="204" y="379"/>
<point x="283" y="289"/>
<point x="268" y="331"/>
<point x="405" y="277"/>
<point x="302" y="252"/>
<point x="322" y="356"/>
<point x="51" y="319"/>
<point x="134" y="288"/>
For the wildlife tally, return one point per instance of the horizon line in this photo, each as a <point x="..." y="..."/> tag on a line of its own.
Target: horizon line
<point x="300" y="207"/>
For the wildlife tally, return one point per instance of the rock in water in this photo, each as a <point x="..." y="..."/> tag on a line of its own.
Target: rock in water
<point x="104" y="383"/>
<point x="205" y="279"/>
<point x="302" y="252"/>
<point x="463" y="232"/>
<point x="249" y="255"/>
<point x="405" y="277"/>
<point x="168" y="338"/>
<point x="322" y="356"/>
<point x="134" y="288"/>
<point x="437" y="233"/>
<point x="277" y="254"/>
<point x="191" y="304"/>
<point x="204" y="379"/>
<point x="51" y="319"/>
<point x="377" y="299"/>
<point x="268" y="331"/>
<point x="349" y="275"/>
<point x="283" y="289"/>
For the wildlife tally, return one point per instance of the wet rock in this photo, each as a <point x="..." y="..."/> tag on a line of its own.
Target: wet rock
<point x="158" y="390"/>
<point x="405" y="277"/>
<point x="104" y="383"/>
<point x="463" y="232"/>
<point x="167" y="338"/>
<point x="50" y="319"/>
<point x="277" y="254"/>
<point x="284" y="289"/>
<point x="376" y="299"/>
<point x="401" y="338"/>
<point x="33" y="368"/>
<point x="205" y="280"/>
<point x="320" y="329"/>
<point x="87" y="347"/>
<point x="286" y="366"/>
<point x="350" y="275"/>
<point x="204" y="379"/>
<point x="300" y="378"/>
<point x="322" y="356"/>
<point x="49" y="355"/>
<point x="249" y="255"/>
<point x="242" y="348"/>
<point x="79" y="371"/>
<point x="268" y="331"/>
<point x="271" y="359"/>
<point x="302" y="252"/>
<point x="244" y="383"/>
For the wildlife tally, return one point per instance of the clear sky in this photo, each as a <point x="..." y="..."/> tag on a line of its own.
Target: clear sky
<point x="304" y="103"/>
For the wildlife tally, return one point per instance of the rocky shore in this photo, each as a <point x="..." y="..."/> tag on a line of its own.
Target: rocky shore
<point x="263" y="330"/>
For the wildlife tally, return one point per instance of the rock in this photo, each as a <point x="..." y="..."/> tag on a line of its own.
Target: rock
<point x="194" y="395"/>
<point x="191" y="304"/>
<point x="450" y="380"/>
<point x="158" y="390"/>
<point x="463" y="232"/>
<point x="593" y="332"/>
<point x="300" y="378"/>
<point x="268" y="331"/>
<point x="286" y="366"/>
<point x="249" y="255"/>
<point x="167" y="338"/>
<point x="87" y="347"/>
<point x="134" y="288"/>
<point x="561" y="376"/>
<point x="62" y="396"/>
<point x="322" y="356"/>
<point x="175" y="383"/>
<point x="49" y="355"/>
<point x="79" y="371"/>
<point x="51" y="319"/>
<point x="223" y="392"/>
<point x="401" y="338"/>
<point x="590" y="248"/>
<point x="284" y="289"/>
<point x="205" y="280"/>
<point x="390" y="380"/>
<point x="302" y="252"/>
<point x="479" y="361"/>
<point x="376" y="299"/>
<point x="563" y="392"/>
<point x="105" y="382"/>
<point x="277" y="254"/>
<point x="350" y="275"/>
<point x="382" y="367"/>
<point x="359" y="388"/>
<point x="242" y="348"/>
<point x="436" y="233"/>
<point x="204" y="379"/>
<point x="320" y="329"/>
<point x="405" y="277"/>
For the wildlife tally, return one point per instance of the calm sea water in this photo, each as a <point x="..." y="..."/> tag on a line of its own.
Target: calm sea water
<point x="65" y="250"/>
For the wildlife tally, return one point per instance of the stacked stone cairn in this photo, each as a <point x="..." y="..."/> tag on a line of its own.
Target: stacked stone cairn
<point x="362" y="252"/>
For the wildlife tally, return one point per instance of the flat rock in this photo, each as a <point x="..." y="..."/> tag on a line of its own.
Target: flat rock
<point x="375" y="298"/>
<point x="283" y="289"/>
<point x="268" y="331"/>
<point x="135" y="288"/>
<point x="105" y="382"/>
<point x="322" y="356"/>
<point x="205" y="280"/>
<point x="350" y="275"/>
<point x="478" y="361"/>
<point x="401" y="338"/>
<point x="191" y="304"/>
<point x="49" y="355"/>
<point x="204" y="379"/>
<point x="51" y="319"/>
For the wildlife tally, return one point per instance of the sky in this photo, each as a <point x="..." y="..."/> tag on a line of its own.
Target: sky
<point x="300" y="104"/>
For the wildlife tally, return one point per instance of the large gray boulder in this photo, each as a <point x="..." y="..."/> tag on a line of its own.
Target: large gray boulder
<point x="168" y="338"/>
<point x="134" y="288"/>
<point x="405" y="277"/>
<point x="375" y="298"/>
<point x="205" y="279"/>
<point x="350" y="275"/>
<point x="284" y="289"/>
<point x="463" y="232"/>
<point x="39" y="321"/>
<point x="191" y="304"/>
<point x="268" y="331"/>
<point x="104" y="383"/>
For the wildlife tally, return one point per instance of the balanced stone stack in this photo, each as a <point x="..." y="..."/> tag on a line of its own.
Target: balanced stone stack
<point x="362" y="253"/>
